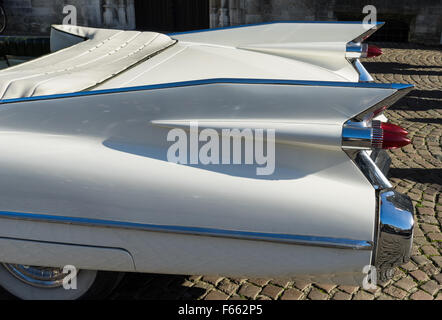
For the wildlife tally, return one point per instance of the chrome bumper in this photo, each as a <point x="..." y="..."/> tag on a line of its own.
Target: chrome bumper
<point x="394" y="233"/>
<point x="395" y="218"/>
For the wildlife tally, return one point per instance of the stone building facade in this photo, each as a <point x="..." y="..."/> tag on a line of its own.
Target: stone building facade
<point x="34" y="17"/>
<point x="411" y="20"/>
<point x="420" y="20"/>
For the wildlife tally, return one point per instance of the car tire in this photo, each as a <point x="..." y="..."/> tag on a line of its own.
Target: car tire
<point x="91" y="285"/>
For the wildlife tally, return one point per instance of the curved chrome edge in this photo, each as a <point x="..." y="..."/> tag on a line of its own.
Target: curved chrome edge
<point x="192" y="83"/>
<point x="340" y="243"/>
<point x="400" y="93"/>
<point x="355" y="47"/>
<point x="370" y="170"/>
<point x="356" y="137"/>
<point x="374" y="26"/>
<point x="37" y="276"/>
<point x="369" y="32"/>
<point x="56" y="28"/>
<point x="364" y="75"/>
<point x="394" y="233"/>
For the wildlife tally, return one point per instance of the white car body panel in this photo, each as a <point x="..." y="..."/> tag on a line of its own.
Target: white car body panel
<point x="88" y="257"/>
<point x="82" y="66"/>
<point x="188" y="61"/>
<point x="90" y="168"/>
<point x="314" y="43"/>
<point x="301" y="51"/>
<point x="45" y="149"/>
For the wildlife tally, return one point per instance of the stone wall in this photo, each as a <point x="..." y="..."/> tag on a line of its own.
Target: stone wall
<point x="34" y="17"/>
<point x="423" y="17"/>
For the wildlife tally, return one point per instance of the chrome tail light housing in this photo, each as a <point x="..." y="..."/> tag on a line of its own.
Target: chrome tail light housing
<point x="379" y="135"/>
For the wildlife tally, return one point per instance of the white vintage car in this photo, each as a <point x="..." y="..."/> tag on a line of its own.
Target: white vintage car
<point x="86" y="179"/>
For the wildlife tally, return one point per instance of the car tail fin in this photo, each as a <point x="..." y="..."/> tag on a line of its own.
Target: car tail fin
<point x="378" y="108"/>
<point x="320" y="43"/>
<point x="274" y="33"/>
<point x="362" y="132"/>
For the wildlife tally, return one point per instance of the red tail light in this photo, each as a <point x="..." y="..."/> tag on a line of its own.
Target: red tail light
<point x="393" y="140"/>
<point x="373" y="51"/>
<point x="386" y="126"/>
<point x="393" y="136"/>
<point x="380" y="135"/>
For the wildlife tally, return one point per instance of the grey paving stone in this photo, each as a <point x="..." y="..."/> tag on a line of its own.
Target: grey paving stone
<point x="431" y="287"/>
<point x="216" y="295"/>
<point x="249" y="290"/>
<point x="406" y="284"/>
<point x="395" y="292"/>
<point x="316" y="294"/>
<point x="419" y="275"/>
<point x="362" y="295"/>
<point x="272" y="291"/>
<point x="291" y="294"/>
<point x="339" y="295"/>
<point x="421" y="295"/>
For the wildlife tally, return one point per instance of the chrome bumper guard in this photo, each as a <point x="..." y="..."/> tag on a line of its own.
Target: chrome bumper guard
<point x="395" y="214"/>
<point x="394" y="233"/>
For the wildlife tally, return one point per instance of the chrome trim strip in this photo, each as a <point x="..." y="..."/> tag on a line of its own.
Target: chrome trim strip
<point x="369" y="32"/>
<point x="356" y="137"/>
<point x="375" y="175"/>
<point x="370" y="170"/>
<point x="354" y="47"/>
<point x="363" y="73"/>
<point x="37" y="276"/>
<point x="395" y="86"/>
<point x="341" y="243"/>
<point x="377" y="25"/>
<point x="394" y="233"/>
<point x="68" y="33"/>
<point x="354" y="51"/>
<point x="365" y="115"/>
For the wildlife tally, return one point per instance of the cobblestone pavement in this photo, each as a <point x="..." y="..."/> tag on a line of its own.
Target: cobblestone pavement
<point x="416" y="171"/>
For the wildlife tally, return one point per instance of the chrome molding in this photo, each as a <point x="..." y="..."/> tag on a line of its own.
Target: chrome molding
<point x="394" y="233"/>
<point x="40" y="277"/>
<point x="364" y="76"/>
<point x="354" y="47"/>
<point x="375" y="26"/>
<point x="191" y="83"/>
<point x="309" y="240"/>
<point x="354" y="50"/>
<point x="361" y="136"/>
<point x="401" y="92"/>
<point x="369" y="168"/>
<point x="369" y="32"/>
<point x="356" y="137"/>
